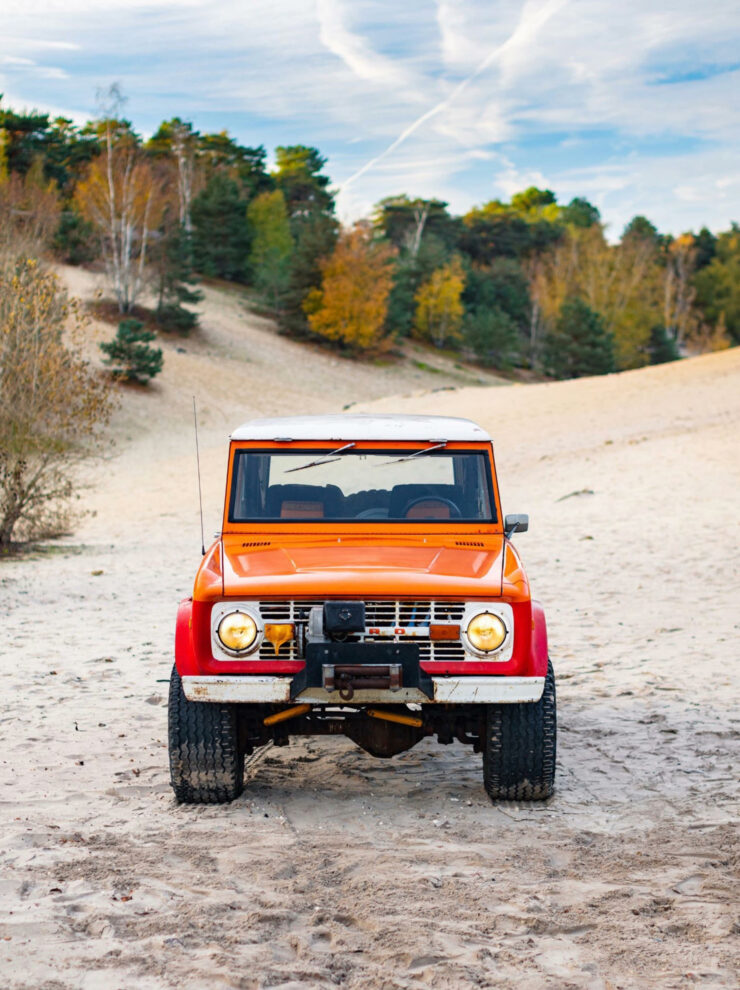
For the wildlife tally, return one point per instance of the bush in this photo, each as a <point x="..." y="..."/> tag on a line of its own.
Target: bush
<point x="52" y="404"/>
<point x="176" y="319"/>
<point x="129" y="354"/>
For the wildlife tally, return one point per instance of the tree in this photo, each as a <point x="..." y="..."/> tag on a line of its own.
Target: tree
<point x="351" y="304"/>
<point x="52" y="404"/>
<point x="315" y="240"/>
<point x="220" y="232"/>
<point x="29" y="211"/>
<point x="579" y="344"/>
<point x="272" y="245"/>
<point x="580" y="213"/>
<point x="533" y="200"/>
<point x="623" y="283"/>
<point x="244" y="166"/>
<point x="439" y="308"/>
<point x="500" y="285"/>
<point x="641" y="229"/>
<point x="679" y="317"/>
<point x="493" y="337"/>
<point x="130" y="354"/>
<point x="299" y="174"/>
<point x="404" y="222"/>
<point x="409" y="271"/>
<point x="175" y="280"/>
<point x="662" y="347"/>
<point x="718" y="285"/>
<point x="123" y="201"/>
<point x="176" y="140"/>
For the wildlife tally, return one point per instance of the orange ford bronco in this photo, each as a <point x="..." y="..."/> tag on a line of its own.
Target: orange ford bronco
<point x="364" y="584"/>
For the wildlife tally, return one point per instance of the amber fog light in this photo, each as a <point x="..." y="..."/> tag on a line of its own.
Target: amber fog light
<point x="237" y="631"/>
<point x="486" y="632"/>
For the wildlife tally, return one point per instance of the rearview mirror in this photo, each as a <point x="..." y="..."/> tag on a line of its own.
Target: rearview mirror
<point x="517" y="522"/>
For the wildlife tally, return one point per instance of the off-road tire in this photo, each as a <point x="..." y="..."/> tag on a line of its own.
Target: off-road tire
<point x="519" y="748"/>
<point x="206" y="761"/>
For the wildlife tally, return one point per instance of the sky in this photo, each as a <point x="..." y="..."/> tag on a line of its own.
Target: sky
<point x="634" y="104"/>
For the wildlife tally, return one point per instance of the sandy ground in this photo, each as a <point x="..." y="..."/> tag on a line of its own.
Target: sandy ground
<point x="334" y="869"/>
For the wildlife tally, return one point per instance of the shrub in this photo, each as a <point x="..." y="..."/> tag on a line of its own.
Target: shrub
<point x="52" y="404"/>
<point x="130" y="355"/>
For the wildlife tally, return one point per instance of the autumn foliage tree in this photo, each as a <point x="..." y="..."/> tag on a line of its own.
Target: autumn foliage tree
<point x="52" y="404"/>
<point x="123" y="200"/>
<point x="439" y="307"/>
<point x="352" y="303"/>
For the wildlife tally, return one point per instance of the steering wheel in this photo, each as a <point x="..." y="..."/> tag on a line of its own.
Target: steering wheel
<point x="374" y="513"/>
<point x="454" y="511"/>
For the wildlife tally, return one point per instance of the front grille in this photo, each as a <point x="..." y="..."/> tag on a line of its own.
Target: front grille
<point x="377" y="613"/>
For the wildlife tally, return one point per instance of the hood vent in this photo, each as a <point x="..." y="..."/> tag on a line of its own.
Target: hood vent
<point x="266" y="543"/>
<point x="469" y="543"/>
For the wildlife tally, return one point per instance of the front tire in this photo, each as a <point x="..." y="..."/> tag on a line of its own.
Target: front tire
<point x="519" y="749"/>
<point x="206" y="761"/>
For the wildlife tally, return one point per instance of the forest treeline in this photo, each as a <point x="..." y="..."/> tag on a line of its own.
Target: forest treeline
<point x="529" y="283"/>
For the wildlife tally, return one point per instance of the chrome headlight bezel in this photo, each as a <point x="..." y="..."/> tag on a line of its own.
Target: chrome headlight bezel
<point x="219" y="612"/>
<point x="501" y="610"/>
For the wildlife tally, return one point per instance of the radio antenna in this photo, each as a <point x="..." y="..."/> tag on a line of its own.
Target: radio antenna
<point x="200" y="494"/>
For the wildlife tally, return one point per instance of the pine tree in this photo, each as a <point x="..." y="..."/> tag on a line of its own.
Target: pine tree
<point x="130" y="355"/>
<point x="493" y="337"/>
<point x="220" y="232"/>
<point x="662" y="347"/>
<point x="579" y="345"/>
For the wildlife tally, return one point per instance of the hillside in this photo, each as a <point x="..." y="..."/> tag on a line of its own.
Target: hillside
<point x="335" y="869"/>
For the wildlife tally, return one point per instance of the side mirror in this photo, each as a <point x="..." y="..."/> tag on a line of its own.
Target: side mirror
<point x="517" y="522"/>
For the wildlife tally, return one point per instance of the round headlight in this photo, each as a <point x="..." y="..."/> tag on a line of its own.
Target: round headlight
<point x="486" y="632"/>
<point x="237" y="631"/>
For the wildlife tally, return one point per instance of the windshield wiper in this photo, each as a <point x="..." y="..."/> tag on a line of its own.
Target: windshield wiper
<point x="417" y="453"/>
<point x="328" y="459"/>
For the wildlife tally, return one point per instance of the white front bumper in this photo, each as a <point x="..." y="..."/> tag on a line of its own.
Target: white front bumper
<point x="466" y="690"/>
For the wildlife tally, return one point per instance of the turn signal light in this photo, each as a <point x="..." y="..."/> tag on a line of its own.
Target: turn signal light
<point x="444" y="632"/>
<point x="278" y="633"/>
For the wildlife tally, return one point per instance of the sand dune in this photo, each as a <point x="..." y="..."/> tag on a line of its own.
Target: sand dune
<point x="337" y="870"/>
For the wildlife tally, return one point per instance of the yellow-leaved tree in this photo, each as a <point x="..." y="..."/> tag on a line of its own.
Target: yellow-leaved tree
<point x="439" y="306"/>
<point x="352" y="303"/>
<point x="622" y="282"/>
<point x="123" y="199"/>
<point x="53" y="404"/>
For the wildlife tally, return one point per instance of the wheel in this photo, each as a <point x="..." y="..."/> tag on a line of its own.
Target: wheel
<point x="206" y="761"/>
<point x="519" y="748"/>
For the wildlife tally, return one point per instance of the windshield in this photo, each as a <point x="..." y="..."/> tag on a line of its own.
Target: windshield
<point x="442" y="486"/>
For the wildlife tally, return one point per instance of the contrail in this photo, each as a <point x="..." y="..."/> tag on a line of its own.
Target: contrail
<point x="528" y="25"/>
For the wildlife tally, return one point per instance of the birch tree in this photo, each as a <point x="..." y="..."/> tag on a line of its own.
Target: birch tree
<point x="122" y="199"/>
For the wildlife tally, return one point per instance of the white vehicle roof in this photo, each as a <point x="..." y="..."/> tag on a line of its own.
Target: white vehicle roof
<point x="361" y="426"/>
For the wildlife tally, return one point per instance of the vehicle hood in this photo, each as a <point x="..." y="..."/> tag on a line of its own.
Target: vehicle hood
<point x="364" y="569"/>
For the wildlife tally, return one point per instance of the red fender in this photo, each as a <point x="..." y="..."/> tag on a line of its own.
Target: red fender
<point x="184" y="653"/>
<point x="538" y="649"/>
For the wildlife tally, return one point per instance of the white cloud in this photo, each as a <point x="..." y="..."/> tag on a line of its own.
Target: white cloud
<point x="468" y="94"/>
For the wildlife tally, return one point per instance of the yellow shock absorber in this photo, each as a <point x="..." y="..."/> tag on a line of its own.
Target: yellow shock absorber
<point x="395" y="717"/>
<point x="286" y="713"/>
